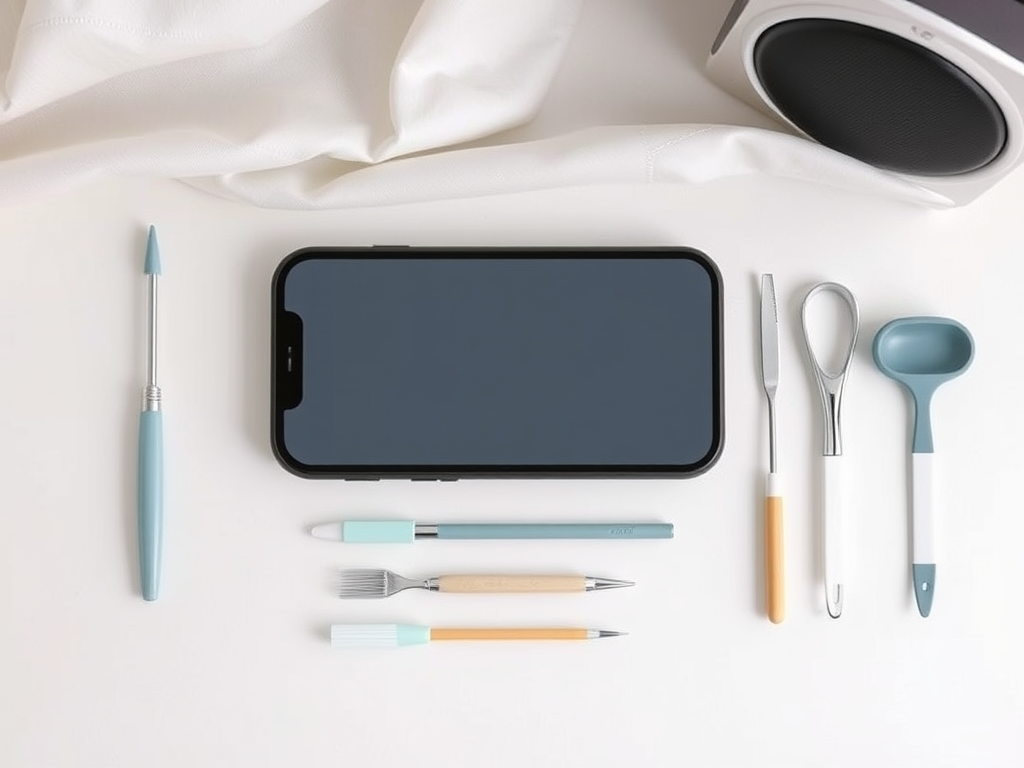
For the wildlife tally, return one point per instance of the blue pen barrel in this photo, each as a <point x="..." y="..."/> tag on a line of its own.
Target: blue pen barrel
<point x="151" y="501"/>
<point x="556" y="531"/>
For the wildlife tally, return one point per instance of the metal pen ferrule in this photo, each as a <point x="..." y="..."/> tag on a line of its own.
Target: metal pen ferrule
<point x="151" y="398"/>
<point x="426" y="531"/>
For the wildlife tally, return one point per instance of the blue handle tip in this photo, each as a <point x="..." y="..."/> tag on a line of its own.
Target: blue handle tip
<point x="924" y="587"/>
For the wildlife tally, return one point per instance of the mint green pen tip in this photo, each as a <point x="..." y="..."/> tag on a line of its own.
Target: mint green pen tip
<point x="152" y="266"/>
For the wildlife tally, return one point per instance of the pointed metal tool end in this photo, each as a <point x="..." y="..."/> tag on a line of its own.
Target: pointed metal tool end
<point x="834" y="600"/>
<point x="924" y="587"/>
<point x="152" y="266"/>
<point x="610" y="584"/>
<point x="610" y="633"/>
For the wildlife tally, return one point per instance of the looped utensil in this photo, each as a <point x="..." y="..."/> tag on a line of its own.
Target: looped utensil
<point x="830" y="388"/>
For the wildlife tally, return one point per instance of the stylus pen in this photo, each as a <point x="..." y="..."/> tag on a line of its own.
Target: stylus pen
<point x="405" y="531"/>
<point x="151" y="449"/>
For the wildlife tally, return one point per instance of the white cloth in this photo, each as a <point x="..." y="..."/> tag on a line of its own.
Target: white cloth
<point x="337" y="103"/>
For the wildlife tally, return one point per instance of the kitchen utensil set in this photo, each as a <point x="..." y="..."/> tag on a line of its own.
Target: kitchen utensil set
<point x="920" y="353"/>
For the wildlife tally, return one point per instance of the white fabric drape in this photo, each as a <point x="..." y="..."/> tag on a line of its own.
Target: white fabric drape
<point x="337" y="103"/>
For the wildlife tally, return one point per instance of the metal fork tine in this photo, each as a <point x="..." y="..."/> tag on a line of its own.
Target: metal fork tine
<point x="358" y="583"/>
<point x="362" y="583"/>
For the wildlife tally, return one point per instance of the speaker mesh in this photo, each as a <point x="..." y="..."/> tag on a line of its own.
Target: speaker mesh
<point x="878" y="97"/>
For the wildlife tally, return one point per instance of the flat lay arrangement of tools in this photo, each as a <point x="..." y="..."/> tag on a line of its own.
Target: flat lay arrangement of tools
<point x="363" y="363"/>
<point x="920" y="353"/>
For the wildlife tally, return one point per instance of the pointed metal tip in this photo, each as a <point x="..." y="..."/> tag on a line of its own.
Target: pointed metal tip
<point x="610" y="633"/>
<point x="610" y="583"/>
<point x="152" y="266"/>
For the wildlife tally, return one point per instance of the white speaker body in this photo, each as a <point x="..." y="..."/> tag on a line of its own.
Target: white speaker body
<point x="993" y="61"/>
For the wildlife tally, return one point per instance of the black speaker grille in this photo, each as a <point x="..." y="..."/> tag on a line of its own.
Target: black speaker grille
<point x="878" y="97"/>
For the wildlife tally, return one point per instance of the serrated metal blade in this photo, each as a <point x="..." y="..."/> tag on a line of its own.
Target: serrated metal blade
<point x="769" y="336"/>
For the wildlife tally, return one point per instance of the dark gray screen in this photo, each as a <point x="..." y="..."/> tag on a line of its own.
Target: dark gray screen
<point x="497" y="361"/>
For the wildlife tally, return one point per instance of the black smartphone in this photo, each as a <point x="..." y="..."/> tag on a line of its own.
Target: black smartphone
<point x="443" y="363"/>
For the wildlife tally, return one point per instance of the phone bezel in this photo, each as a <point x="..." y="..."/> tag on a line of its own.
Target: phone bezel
<point x="283" y="381"/>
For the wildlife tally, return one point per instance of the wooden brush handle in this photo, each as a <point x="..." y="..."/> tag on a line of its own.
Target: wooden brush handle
<point x="555" y="633"/>
<point x="511" y="583"/>
<point x="775" y="574"/>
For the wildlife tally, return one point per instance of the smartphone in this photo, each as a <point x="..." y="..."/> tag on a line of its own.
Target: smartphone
<point x="447" y="363"/>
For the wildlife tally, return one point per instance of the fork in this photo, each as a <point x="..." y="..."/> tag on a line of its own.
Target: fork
<point x="379" y="582"/>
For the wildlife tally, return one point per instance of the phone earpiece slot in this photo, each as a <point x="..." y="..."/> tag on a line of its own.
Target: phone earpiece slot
<point x="288" y="362"/>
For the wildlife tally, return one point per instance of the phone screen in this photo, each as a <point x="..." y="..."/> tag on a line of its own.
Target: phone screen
<point x="428" y="362"/>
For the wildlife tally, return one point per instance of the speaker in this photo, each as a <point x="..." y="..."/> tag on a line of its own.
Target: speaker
<point x="931" y="90"/>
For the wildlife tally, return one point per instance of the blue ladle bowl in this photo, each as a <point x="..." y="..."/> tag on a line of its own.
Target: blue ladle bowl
<point x="921" y="353"/>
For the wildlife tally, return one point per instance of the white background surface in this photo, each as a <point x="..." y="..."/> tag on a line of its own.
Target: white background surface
<point x="231" y="667"/>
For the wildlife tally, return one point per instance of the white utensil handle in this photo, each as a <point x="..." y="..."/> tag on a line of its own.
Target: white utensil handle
<point x="923" y="530"/>
<point x="922" y="506"/>
<point x="832" y="532"/>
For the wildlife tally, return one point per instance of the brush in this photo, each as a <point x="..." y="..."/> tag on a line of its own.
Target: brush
<point x="398" y="635"/>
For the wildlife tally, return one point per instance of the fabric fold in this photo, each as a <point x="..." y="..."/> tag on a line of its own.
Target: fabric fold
<point x="659" y="154"/>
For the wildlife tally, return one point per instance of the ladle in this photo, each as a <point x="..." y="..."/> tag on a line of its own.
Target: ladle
<point x="921" y="353"/>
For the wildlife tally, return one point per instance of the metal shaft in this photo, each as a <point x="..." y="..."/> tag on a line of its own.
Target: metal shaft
<point x="151" y="395"/>
<point x="152" y="329"/>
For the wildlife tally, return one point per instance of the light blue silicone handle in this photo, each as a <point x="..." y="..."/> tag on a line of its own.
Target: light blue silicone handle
<point x="411" y="634"/>
<point x="555" y="531"/>
<point x="151" y="501"/>
<point x="378" y="532"/>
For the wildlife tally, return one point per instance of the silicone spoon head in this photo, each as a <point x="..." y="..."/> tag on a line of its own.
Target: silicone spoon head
<point x="921" y="353"/>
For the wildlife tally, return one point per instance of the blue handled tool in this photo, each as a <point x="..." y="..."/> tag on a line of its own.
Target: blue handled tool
<point x="922" y="353"/>
<point x="404" y="531"/>
<point x="151" y="448"/>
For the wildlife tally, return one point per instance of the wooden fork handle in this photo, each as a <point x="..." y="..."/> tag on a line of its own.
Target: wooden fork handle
<point x="511" y="583"/>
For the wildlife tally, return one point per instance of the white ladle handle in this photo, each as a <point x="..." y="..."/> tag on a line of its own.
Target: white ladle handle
<point x="832" y="532"/>
<point x="923" y="529"/>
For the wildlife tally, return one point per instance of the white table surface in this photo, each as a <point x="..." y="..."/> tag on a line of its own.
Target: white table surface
<point x="231" y="667"/>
